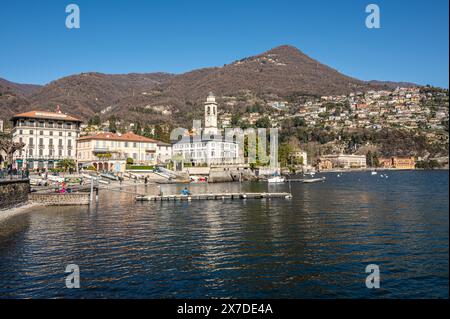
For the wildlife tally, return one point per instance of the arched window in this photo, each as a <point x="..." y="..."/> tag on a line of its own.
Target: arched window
<point x="209" y="110"/>
<point x="214" y="110"/>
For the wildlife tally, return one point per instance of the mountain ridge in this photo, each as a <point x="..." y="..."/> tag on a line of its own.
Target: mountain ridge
<point x="278" y="73"/>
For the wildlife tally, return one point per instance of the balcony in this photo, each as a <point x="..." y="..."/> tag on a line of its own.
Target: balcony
<point x="113" y="157"/>
<point x="101" y="150"/>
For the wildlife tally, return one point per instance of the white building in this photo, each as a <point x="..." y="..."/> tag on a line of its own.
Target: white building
<point x="208" y="148"/>
<point x="163" y="152"/>
<point x="48" y="137"/>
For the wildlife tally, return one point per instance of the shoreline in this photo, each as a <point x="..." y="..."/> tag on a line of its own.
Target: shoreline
<point x="381" y="170"/>
<point x="23" y="208"/>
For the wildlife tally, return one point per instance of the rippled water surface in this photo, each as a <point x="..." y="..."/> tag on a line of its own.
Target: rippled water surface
<point x="315" y="245"/>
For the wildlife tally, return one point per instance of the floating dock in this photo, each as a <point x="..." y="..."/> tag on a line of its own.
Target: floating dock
<point x="213" y="196"/>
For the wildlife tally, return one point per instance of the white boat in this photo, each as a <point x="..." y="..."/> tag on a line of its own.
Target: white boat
<point x="110" y="176"/>
<point x="276" y="179"/>
<point x="374" y="173"/>
<point x="314" y="180"/>
<point x="56" y="178"/>
<point x="38" y="182"/>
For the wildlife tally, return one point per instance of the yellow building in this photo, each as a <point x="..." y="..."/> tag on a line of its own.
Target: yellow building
<point x="109" y="151"/>
<point x="324" y="164"/>
<point x="345" y="161"/>
<point x="398" y="162"/>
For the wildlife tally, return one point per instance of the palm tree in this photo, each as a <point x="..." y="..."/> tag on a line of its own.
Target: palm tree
<point x="66" y="164"/>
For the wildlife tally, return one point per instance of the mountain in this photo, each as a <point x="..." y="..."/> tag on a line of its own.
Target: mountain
<point x="283" y="73"/>
<point x="392" y="85"/>
<point x="14" y="97"/>
<point x="17" y="88"/>
<point x="89" y="93"/>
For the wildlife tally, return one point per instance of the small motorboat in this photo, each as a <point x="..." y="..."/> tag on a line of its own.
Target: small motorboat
<point x="310" y="173"/>
<point x="110" y="176"/>
<point x="314" y="180"/>
<point x="38" y="182"/>
<point x="276" y="179"/>
<point x="374" y="173"/>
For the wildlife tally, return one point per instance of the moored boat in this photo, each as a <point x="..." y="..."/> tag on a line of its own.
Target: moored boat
<point x="314" y="180"/>
<point x="276" y="179"/>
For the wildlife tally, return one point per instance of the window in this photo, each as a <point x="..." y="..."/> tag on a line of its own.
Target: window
<point x="60" y="153"/>
<point x="30" y="141"/>
<point x="41" y="132"/>
<point x="20" y="132"/>
<point x="50" y="141"/>
<point x="31" y="132"/>
<point x="69" y="143"/>
<point x="30" y="152"/>
<point x="60" y="143"/>
<point x="51" y="133"/>
<point x="41" y="142"/>
<point x="69" y="153"/>
<point x="69" y="134"/>
<point x="41" y="153"/>
<point x="60" y="133"/>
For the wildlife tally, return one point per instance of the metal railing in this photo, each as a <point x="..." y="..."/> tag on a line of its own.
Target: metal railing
<point x="6" y="174"/>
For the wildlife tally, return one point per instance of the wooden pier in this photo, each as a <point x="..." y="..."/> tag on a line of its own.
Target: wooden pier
<point x="213" y="196"/>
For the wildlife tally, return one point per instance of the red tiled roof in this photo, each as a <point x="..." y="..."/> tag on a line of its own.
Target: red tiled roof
<point x="130" y="137"/>
<point x="47" y="115"/>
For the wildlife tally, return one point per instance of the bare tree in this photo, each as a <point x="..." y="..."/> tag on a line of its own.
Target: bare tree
<point x="8" y="146"/>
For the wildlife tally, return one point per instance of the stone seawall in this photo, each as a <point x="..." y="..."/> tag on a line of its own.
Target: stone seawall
<point x="223" y="176"/>
<point x="13" y="192"/>
<point x="60" y="199"/>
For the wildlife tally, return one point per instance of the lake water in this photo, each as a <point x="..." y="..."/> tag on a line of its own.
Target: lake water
<point x="316" y="245"/>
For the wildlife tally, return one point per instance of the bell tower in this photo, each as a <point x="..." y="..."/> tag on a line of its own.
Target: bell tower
<point x="211" y="114"/>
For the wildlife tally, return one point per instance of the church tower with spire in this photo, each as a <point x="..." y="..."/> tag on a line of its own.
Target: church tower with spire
<point x="211" y="115"/>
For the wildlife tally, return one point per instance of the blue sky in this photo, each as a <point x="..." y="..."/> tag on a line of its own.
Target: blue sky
<point x="119" y="36"/>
